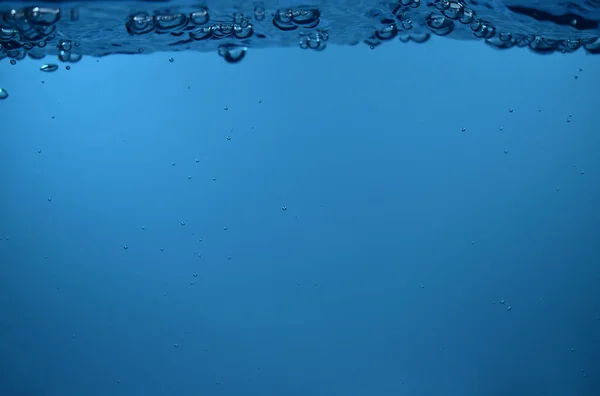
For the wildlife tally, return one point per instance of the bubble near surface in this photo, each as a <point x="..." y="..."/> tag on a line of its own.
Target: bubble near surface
<point x="70" y="30"/>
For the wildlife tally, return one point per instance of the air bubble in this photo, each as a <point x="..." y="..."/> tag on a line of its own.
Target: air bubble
<point x="439" y="24"/>
<point x="65" y="45"/>
<point x="43" y="16"/>
<point x="140" y="23"/>
<point x="306" y="18"/>
<point x="200" y="17"/>
<point x="49" y="68"/>
<point x="243" y="32"/>
<point x="282" y="20"/>
<point x="64" y="56"/>
<point x="3" y="93"/>
<point x="201" y="33"/>
<point x="387" y="33"/>
<point x="259" y="13"/>
<point x="232" y="54"/>
<point x="170" y="22"/>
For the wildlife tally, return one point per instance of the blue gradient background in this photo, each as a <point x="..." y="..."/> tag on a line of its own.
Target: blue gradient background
<point x="384" y="275"/>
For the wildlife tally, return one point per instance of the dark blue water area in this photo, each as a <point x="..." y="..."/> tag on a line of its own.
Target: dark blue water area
<point x="408" y="220"/>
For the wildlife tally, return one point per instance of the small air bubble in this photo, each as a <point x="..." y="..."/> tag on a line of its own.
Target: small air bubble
<point x="49" y="68"/>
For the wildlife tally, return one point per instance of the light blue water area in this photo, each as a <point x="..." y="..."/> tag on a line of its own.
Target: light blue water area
<point x="413" y="219"/>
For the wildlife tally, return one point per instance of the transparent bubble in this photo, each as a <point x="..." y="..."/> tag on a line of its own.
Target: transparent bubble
<point x="65" y="45"/>
<point x="170" y="22"/>
<point x="259" y="13"/>
<point x="232" y="53"/>
<point x="51" y="67"/>
<point x="200" y="17"/>
<point x="140" y="23"/>
<point x="440" y="25"/>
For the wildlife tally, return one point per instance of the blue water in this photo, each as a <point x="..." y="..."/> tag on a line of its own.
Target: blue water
<point x="412" y="220"/>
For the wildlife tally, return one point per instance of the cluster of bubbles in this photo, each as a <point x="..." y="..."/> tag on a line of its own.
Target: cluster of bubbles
<point x="449" y="14"/>
<point x="39" y="31"/>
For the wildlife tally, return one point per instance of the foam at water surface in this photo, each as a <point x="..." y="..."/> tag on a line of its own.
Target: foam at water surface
<point x="70" y="30"/>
